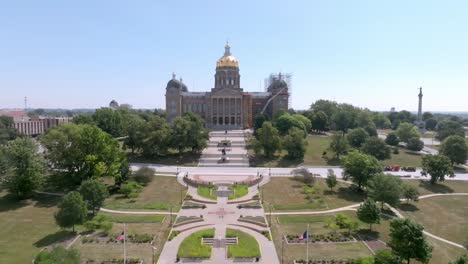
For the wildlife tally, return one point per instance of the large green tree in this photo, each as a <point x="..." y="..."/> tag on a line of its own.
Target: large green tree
<point x="455" y="148"/>
<point x="381" y="121"/>
<point x="448" y="128"/>
<point x="258" y="121"/>
<point x="392" y="139"/>
<point x="369" y="213"/>
<point x="406" y="131"/>
<point x="329" y="108"/>
<point x="198" y="134"/>
<point x="376" y="147"/>
<point x="110" y="120"/>
<point x="285" y="122"/>
<point x="460" y="260"/>
<point x="356" y="137"/>
<point x="71" y="211"/>
<point x="430" y="123"/>
<point x="407" y="241"/>
<point x="339" y="144"/>
<point x="80" y="152"/>
<point x="269" y="139"/>
<point x="295" y="143"/>
<point x="385" y="189"/>
<point x="360" y="167"/>
<point x="156" y="136"/>
<point x="437" y="166"/>
<point x="320" y="121"/>
<point x="305" y="121"/>
<point x="94" y="192"/>
<point x="23" y="167"/>
<point x="415" y="144"/>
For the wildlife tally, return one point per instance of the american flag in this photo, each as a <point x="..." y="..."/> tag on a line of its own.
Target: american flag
<point x="121" y="236"/>
<point x="303" y="236"/>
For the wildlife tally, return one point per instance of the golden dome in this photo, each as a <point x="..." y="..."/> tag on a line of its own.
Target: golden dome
<point x="227" y="60"/>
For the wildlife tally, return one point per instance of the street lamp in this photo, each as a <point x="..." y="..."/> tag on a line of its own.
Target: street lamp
<point x="282" y="248"/>
<point x="153" y="248"/>
<point x="170" y="214"/>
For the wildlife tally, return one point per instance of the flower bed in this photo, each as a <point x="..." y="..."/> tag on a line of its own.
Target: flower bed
<point x="322" y="261"/>
<point x="192" y="205"/>
<point x="322" y="238"/>
<point x="131" y="238"/>
<point x="182" y="220"/>
<point x="114" y="261"/>
<point x="256" y="220"/>
<point x="251" y="205"/>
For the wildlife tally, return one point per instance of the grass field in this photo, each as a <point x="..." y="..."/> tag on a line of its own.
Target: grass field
<point x="159" y="194"/>
<point x="247" y="246"/>
<point x="450" y="186"/>
<point x="288" y="194"/>
<point x="205" y="191"/>
<point x="239" y="191"/>
<point x="317" y="145"/>
<point x="452" y="216"/>
<point x="191" y="246"/>
<point x="27" y="226"/>
<point x="106" y="251"/>
<point x="133" y="218"/>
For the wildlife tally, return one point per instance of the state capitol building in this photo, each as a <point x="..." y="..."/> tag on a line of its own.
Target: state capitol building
<point x="227" y="105"/>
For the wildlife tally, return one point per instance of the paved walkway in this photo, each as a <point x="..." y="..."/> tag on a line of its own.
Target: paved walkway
<point x="236" y="153"/>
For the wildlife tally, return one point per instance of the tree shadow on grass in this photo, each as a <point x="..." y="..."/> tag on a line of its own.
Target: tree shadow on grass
<point x="368" y="234"/>
<point x="350" y="194"/>
<point x="45" y="200"/>
<point x="9" y="202"/>
<point x="436" y="187"/>
<point x="408" y="207"/>
<point x="57" y="237"/>
<point x="286" y="162"/>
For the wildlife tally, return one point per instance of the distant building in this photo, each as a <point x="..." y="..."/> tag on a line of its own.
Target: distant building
<point x="113" y="104"/>
<point x="34" y="125"/>
<point x="227" y="105"/>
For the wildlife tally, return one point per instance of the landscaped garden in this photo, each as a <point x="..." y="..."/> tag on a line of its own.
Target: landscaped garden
<point x="159" y="194"/>
<point x="247" y="246"/>
<point x="192" y="246"/>
<point x="238" y="190"/>
<point x="205" y="191"/>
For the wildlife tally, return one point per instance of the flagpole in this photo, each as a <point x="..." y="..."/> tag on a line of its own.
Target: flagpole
<point x="125" y="248"/>
<point x="307" y="245"/>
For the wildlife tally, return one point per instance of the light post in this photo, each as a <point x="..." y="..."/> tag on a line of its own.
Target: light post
<point x="170" y="214"/>
<point x="153" y="248"/>
<point x="282" y="248"/>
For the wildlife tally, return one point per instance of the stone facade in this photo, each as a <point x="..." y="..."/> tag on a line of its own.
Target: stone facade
<point x="227" y="105"/>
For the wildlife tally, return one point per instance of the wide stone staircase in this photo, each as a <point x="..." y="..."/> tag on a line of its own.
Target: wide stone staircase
<point x="236" y="152"/>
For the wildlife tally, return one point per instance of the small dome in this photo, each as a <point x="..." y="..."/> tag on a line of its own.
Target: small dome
<point x="278" y="84"/>
<point x="227" y="60"/>
<point x="113" y="104"/>
<point x="173" y="83"/>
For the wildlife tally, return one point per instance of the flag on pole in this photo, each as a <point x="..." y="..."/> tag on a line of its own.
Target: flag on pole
<point x="304" y="235"/>
<point x="121" y="236"/>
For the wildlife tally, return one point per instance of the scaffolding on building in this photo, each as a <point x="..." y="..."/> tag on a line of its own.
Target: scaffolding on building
<point x="287" y="77"/>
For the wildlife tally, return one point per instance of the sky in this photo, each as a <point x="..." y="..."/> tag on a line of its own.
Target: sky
<point x="374" y="54"/>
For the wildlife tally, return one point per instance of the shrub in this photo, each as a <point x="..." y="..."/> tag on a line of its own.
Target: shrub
<point x="415" y="144"/>
<point x="130" y="189"/>
<point x="144" y="175"/>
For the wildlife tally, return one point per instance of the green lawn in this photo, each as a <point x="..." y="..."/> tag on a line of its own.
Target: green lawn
<point x="239" y="190"/>
<point x="191" y="246"/>
<point x="285" y="193"/>
<point x="404" y="158"/>
<point x="159" y="194"/>
<point x="449" y="186"/>
<point x="452" y="216"/>
<point x="27" y="226"/>
<point x="205" y="191"/>
<point x="133" y="218"/>
<point x="247" y="246"/>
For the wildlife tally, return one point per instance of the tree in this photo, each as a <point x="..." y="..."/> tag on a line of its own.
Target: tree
<point x="369" y="213"/>
<point x="392" y="139"/>
<point x="427" y="115"/>
<point x="144" y="175"/>
<point x="343" y="221"/>
<point x="385" y="256"/>
<point x="430" y="123"/>
<point x="360" y="167"/>
<point x="295" y="143"/>
<point x="269" y="139"/>
<point x="94" y="193"/>
<point x="130" y="189"/>
<point x="356" y="137"/>
<point x="415" y="144"/>
<point x="448" y="128"/>
<point x="198" y="134"/>
<point x="156" y="137"/>
<point x="134" y="129"/>
<point x="410" y="192"/>
<point x="305" y="121"/>
<point x="381" y="121"/>
<point x="406" y="131"/>
<point x="385" y="189"/>
<point x="407" y="241"/>
<point x="71" y="210"/>
<point x="23" y="167"/>
<point x="376" y="147"/>
<point x="329" y="108"/>
<point x="109" y="120"/>
<point x="339" y="144"/>
<point x="80" y="152"/>
<point x="320" y="121"/>
<point x="460" y="260"/>
<point x="84" y="119"/>
<point x="307" y="177"/>
<point x="331" y="179"/>
<point x="259" y="120"/>
<point x="343" y="120"/>
<point x="437" y="166"/>
<point x="58" y="255"/>
<point x="7" y="130"/>
<point x="285" y="122"/>
<point x="455" y="148"/>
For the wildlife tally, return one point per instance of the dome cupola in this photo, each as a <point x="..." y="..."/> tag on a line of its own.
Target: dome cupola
<point x="227" y="60"/>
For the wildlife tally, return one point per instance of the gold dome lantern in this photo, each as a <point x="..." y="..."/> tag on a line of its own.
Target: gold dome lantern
<point x="227" y="60"/>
